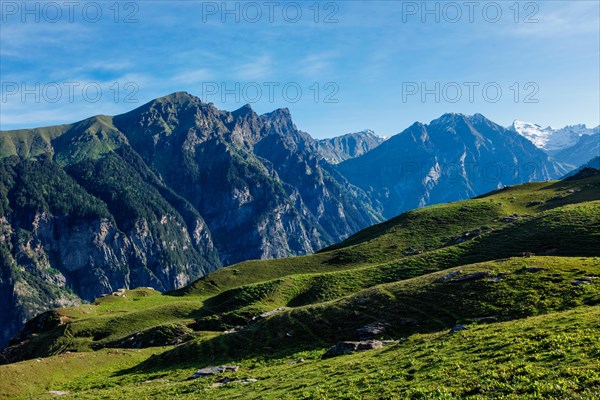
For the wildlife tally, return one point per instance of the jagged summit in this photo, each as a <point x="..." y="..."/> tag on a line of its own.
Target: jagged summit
<point x="350" y="145"/>
<point x="452" y="155"/>
<point x="550" y="139"/>
<point x="278" y="113"/>
<point x="244" y="110"/>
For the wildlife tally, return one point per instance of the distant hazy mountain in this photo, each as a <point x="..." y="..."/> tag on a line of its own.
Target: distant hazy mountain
<point x="593" y="163"/>
<point x="586" y="148"/>
<point x="552" y="140"/>
<point x="342" y="148"/>
<point x="454" y="157"/>
<point x="572" y="145"/>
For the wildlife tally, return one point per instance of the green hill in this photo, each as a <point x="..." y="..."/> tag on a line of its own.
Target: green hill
<point x="519" y="267"/>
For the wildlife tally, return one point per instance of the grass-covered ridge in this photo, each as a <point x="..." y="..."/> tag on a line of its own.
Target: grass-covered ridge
<point x="552" y="356"/>
<point x="520" y="267"/>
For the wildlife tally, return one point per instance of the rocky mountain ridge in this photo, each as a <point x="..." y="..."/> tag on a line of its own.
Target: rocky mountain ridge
<point x="159" y="197"/>
<point x="175" y="189"/>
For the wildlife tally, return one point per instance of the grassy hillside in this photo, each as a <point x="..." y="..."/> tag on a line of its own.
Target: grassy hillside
<point x="552" y="356"/>
<point x="422" y="229"/>
<point x="520" y="267"/>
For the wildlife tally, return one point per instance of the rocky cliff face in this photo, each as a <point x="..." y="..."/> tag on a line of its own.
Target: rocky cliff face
<point x="159" y="197"/>
<point x="341" y="148"/>
<point x="256" y="179"/>
<point x="60" y="244"/>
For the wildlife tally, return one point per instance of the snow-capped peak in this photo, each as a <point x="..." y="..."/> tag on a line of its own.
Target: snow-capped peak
<point x="551" y="139"/>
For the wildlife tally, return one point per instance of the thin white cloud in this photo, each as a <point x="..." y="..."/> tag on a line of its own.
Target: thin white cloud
<point x="315" y="65"/>
<point x="193" y="76"/>
<point x="258" y="69"/>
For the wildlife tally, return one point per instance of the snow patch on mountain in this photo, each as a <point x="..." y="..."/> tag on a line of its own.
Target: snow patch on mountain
<point x="551" y="139"/>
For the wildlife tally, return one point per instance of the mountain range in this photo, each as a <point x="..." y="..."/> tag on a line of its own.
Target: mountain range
<point x="571" y="146"/>
<point x="492" y="297"/>
<point x="341" y="148"/>
<point x="454" y="157"/>
<point x="175" y="189"/>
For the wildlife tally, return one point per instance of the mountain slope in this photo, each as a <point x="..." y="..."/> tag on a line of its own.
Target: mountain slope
<point x="552" y="140"/>
<point x="585" y="149"/>
<point x="470" y="262"/>
<point x="571" y="146"/>
<point x="454" y="157"/>
<point x="78" y="236"/>
<point x="253" y="178"/>
<point x="342" y="148"/>
<point x="176" y="189"/>
<point x="558" y="218"/>
<point x="548" y="356"/>
<point x="588" y="167"/>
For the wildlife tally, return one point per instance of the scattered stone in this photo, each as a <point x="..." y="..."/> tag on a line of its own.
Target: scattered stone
<point x="208" y="371"/>
<point x="576" y="282"/>
<point x="495" y="279"/>
<point x="247" y="381"/>
<point x="372" y="330"/>
<point x="449" y="276"/>
<point x="478" y="319"/>
<point x="570" y="191"/>
<point x="288" y="334"/>
<point x="221" y="382"/>
<point x="532" y="270"/>
<point x="58" y="393"/>
<point x="156" y="381"/>
<point x="272" y="312"/>
<point x="343" y="348"/>
<point x="412" y="251"/>
<point x="534" y="203"/>
<point x="511" y="218"/>
<point x="467" y="236"/>
<point x="472" y="277"/>
<point x="458" y="328"/>
<point x="389" y="342"/>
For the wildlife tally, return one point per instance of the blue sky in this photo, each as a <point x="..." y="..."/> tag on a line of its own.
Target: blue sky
<point x="358" y="64"/>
